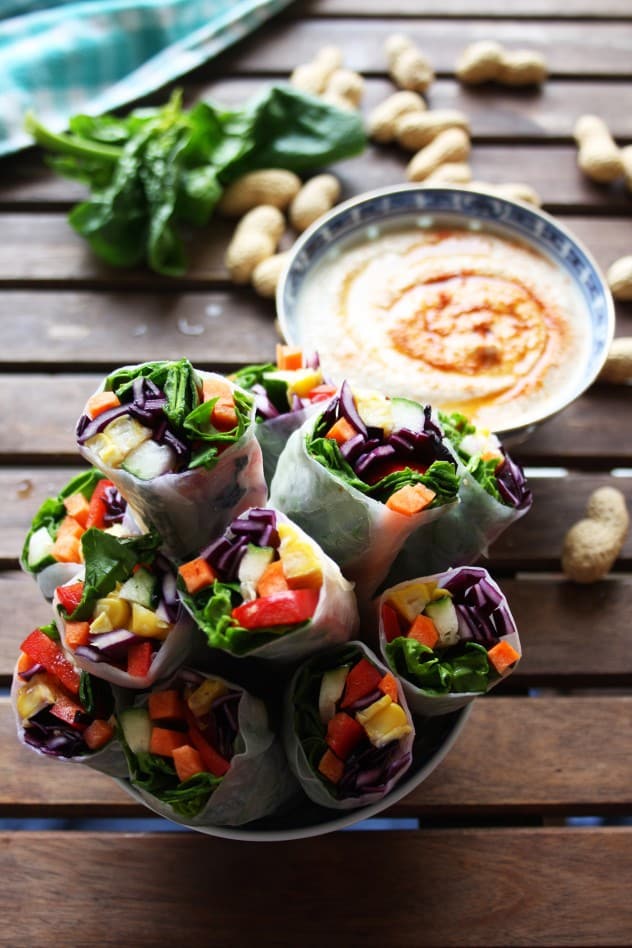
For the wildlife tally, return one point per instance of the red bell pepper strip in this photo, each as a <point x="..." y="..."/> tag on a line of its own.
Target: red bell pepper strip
<point x="361" y="681"/>
<point x="43" y="650"/>
<point x="139" y="656"/>
<point x="343" y="734"/>
<point x="98" y="505"/>
<point x="282" y="608"/>
<point x="390" y="623"/>
<point x="213" y="762"/>
<point x="70" y="596"/>
<point x="70" y="713"/>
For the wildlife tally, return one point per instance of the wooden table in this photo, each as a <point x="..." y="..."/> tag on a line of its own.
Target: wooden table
<point x="498" y="856"/>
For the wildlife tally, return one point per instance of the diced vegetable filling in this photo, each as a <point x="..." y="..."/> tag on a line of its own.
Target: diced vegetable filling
<point x="292" y="384"/>
<point x="161" y="418"/>
<point x="64" y="712"/>
<point x="451" y="638"/>
<point x="182" y="743"/>
<point x="487" y="461"/>
<point x="389" y="449"/>
<point x="357" y="749"/>
<point x="261" y="579"/>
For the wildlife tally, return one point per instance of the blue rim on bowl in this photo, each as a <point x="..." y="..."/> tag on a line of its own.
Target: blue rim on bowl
<point x="511" y="218"/>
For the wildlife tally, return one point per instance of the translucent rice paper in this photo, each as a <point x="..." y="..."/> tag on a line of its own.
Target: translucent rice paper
<point x="361" y="534"/>
<point x="58" y="574"/>
<point x="258" y="782"/>
<point x="274" y="433"/>
<point x="172" y="653"/>
<point x="109" y="759"/>
<point x="335" y="620"/>
<point x="428" y="704"/>
<point x="299" y="764"/>
<point x="188" y="507"/>
<point x="460" y="537"/>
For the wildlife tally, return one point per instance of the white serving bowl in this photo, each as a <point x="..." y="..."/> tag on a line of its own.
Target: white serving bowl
<point x="386" y="209"/>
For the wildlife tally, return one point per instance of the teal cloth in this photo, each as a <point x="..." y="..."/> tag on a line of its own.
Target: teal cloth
<point x="61" y="57"/>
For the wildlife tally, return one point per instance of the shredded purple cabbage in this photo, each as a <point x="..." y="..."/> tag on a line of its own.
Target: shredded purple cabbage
<point x="512" y="484"/>
<point x="115" y="505"/>
<point x="370" y="769"/>
<point x="258" y="527"/>
<point x="482" y="610"/>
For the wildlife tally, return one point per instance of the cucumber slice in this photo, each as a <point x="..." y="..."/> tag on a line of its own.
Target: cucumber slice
<point x="149" y="460"/>
<point x="136" y="725"/>
<point x="446" y="620"/>
<point x="141" y="588"/>
<point x="277" y="386"/>
<point x="254" y="562"/>
<point x="331" y="687"/>
<point x="407" y="414"/>
<point x="40" y="549"/>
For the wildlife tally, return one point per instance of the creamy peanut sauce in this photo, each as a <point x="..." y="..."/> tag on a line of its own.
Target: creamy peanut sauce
<point x="464" y="320"/>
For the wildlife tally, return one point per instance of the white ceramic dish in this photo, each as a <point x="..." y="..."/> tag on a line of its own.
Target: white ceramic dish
<point x="426" y="207"/>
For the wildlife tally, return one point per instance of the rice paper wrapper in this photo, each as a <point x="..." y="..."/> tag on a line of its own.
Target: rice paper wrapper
<point x="460" y="537"/>
<point x="361" y="534"/>
<point x="312" y="785"/>
<point x="335" y="620"/>
<point x="188" y="507"/>
<point x="172" y="653"/>
<point x="419" y="700"/>
<point x="273" y="435"/>
<point x="109" y="760"/>
<point x="258" y="782"/>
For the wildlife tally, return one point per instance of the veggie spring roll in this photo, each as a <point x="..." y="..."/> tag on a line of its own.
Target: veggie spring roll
<point x="285" y="395"/>
<point x="348" y="732"/>
<point x="122" y="619"/>
<point x="448" y="637"/>
<point x="493" y="494"/>
<point x="52" y="548"/>
<point x="179" y="444"/>
<point x="363" y="475"/>
<point x="61" y="711"/>
<point x="201" y="752"/>
<point x="265" y="588"/>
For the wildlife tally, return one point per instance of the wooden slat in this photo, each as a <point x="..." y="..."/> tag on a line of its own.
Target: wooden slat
<point x="517" y="9"/>
<point x="281" y="44"/>
<point x="550" y="756"/>
<point x="489" y="888"/>
<point x="45" y="249"/>
<point x="556" y="619"/>
<point x="592" y="431"/>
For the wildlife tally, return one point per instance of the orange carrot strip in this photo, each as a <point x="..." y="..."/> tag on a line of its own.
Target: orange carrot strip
<point x="196" y="574"/>
<point x="98" y="734"/>
<point x="101" y="402"/>
<point x="388" y="686"/>
<point x="272" y="580"/>
<point x="224" y="416"/>
<point x="411" y="499"/>
<point x="289" y="357"/>
<point x="502" y="655"/>
<point x="331" y="766"/>
<point x="76" y="633"/>
<point x="424" y="630"/>
<point x="69" y="527"/>
<point x="187" y="762"/>
<point x="166" y="705"/>
<point x="164" y="741"/>
<point x="67" y="549"/>
<point x="341" y="431"/>
<point x="215" y="388"/>
<point x="78" y="508"/>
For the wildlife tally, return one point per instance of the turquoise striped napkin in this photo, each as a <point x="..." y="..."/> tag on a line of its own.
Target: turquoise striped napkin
<point x="61" y="57"/>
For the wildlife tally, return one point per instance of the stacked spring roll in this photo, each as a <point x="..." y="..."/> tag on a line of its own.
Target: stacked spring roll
<point x="493" y="494"/>
<point x="361" y="476"/>
<point x="200" y="751"/>
<point x="348" y="732"/>
<point x="179" y="444"/>
<point x="60" y="711"/>
<point x="285" y="393"/>
<point x="448" y="637"/>
<point x="121" y="618"/>
<point x="265" y="588"/>
<point x="52" y="548"/>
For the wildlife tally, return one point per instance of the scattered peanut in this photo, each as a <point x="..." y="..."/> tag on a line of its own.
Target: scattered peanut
<point x="592" y="545"/>
<point x="383" y="119"/>
<point x="313" y="77"/>
<point x="265" y="275"/>
<point x="316" y="197"/>
<point x="619" y="277"/>
<point x="415" y="130"/>
<point x="407" y="66"/>
<point x="451" y="145"/>
<point x="513" y="192"/>
<point x="348" y="85"/>
<point x="255" y="239"/>
<point x="274" y="186"/>
<point x="452" y="172"/>
<point x="598" y="157"/>
<point x="488" y="61"/>
<point x="618" y="365"/>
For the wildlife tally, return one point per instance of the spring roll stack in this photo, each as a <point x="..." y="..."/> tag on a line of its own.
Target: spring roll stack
<point x="206" y="648"/>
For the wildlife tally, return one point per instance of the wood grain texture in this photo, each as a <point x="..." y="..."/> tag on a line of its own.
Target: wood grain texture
<point x="551" y="756"/>
<point x="568" y="48"/>
<point x="517" y="9"/>
<point x="494" y="887"/>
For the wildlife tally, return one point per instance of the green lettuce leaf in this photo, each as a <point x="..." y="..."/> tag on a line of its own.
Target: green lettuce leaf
<point x="198" y="427"/>
<point x="468" y="669"/>
<point x="51" y="631"/>
<point x="178" y="380"/>
<point x="157" y="776"/>
<point x="456" y="426"/>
